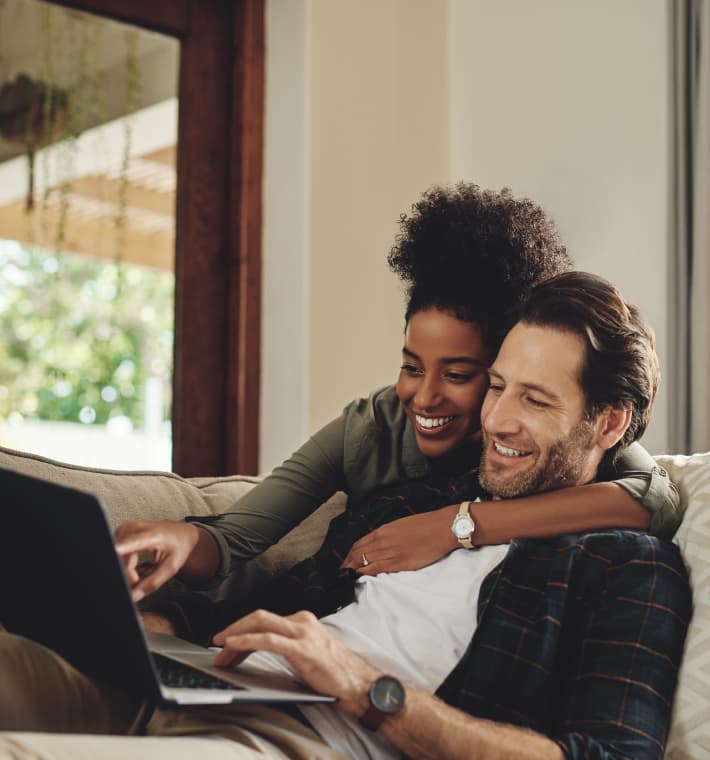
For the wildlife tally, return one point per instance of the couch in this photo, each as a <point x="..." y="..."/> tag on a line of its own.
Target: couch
<point x="157" y="495"/>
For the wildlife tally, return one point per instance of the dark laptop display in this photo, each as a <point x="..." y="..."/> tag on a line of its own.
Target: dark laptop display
<point x="63" y="586"/>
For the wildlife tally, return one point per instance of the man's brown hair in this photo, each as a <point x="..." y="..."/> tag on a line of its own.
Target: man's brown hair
<point x="621" y="366"/>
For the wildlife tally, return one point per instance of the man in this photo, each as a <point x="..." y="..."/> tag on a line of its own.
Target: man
<point x="577" y="640"/>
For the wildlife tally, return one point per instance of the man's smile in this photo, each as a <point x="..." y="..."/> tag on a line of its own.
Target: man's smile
<point x="508" y="451"/>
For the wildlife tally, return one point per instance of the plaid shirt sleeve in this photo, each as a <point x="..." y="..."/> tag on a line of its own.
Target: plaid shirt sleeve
<point x="619" y="678"/>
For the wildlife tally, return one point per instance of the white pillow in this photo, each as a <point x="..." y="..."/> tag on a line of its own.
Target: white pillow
<point x="690" y="730"/>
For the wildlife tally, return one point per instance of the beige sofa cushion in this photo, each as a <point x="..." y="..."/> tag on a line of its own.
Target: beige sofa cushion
<point x="136" y="495"/>
<point x="690" y="732"/>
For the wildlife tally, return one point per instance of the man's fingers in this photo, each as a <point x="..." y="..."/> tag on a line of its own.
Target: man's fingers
<point x="260" y="630"/>
<point x="238" y="647"/>
<point x="259" y="621"/>
<point x="229" y="657"/>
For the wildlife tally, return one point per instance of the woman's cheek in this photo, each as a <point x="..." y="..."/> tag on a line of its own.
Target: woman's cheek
<point x="403" y="388"/>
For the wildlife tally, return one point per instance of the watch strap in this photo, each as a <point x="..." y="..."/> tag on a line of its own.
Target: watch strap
<point x="372" y="718"/>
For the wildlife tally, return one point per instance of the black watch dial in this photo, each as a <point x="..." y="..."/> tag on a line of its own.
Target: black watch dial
<point x="387" y="695"/>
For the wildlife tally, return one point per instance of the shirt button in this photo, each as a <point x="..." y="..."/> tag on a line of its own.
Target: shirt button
<point x="661" y="471"/>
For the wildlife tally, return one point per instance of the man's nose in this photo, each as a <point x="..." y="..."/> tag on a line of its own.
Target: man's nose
<point x="501" y="415"/>
<point x="428" y="394"/>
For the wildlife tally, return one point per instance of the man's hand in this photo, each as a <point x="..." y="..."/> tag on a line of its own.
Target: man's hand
<point x="405" y="544"/>
<point x="322" y="661"/>
<point x="171" y="544"/>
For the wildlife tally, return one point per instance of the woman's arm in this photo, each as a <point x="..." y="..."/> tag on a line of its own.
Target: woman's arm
<point x="283" y="499"/>
<point x="642" y="498"/>
<point x="203" y="548"/>
<point x="419" y="540"/>
<point x="637" y="472"/>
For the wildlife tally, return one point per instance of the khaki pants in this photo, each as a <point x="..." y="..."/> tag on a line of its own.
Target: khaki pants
<point x="50" y="711"/>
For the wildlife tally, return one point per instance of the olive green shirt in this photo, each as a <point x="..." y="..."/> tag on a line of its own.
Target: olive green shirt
<point x="371" y="445"/>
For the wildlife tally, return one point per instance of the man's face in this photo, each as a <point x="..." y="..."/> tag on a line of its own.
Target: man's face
<point x="535" y="437"/>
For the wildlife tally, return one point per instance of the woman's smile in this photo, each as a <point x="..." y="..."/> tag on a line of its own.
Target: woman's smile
<point x="432" y="425"/>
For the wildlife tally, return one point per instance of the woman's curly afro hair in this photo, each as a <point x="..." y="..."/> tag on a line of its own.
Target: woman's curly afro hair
<point x="475" y="254"/>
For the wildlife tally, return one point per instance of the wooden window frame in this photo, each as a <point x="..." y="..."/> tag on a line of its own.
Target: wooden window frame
<point x="218" y="224"/>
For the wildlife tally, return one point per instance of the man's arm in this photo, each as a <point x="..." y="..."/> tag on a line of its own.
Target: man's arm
<point x="425" y="728"/>
<point x="429" y="728"/>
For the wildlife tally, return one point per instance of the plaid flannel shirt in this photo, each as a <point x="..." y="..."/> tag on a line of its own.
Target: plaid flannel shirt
<point x="580" y="638"/>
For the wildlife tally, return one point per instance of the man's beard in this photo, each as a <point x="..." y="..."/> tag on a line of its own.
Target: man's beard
<point x="562" y="466"/>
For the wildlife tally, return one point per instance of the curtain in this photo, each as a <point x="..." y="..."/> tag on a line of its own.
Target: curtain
<point x="690" y="264"/>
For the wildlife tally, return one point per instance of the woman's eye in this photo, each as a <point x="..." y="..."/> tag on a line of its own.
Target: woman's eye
<point x="495" y="388"/>
<point x="411" y="369"/>
<point x="459" y="377"/>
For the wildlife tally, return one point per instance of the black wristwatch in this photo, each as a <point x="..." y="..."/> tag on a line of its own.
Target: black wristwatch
<point x="387" y="696"/>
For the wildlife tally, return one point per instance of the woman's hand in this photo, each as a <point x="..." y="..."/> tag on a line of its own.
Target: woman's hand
<point x="405" y="544"/>
<point x="175" y="546"/>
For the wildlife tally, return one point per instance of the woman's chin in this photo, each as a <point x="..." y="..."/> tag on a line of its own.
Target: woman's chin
<point x="434" y="448"/>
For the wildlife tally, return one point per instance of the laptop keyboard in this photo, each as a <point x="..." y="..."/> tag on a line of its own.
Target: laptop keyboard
<point x="179" y="676"/>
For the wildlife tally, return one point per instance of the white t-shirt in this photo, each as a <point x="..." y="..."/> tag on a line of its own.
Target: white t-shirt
<point x="415" y="625"/>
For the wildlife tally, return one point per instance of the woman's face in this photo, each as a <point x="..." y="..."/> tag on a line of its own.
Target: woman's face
<point x="443" y="380"/>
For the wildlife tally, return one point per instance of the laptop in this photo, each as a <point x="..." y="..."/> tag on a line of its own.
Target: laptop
<point x="62" y="585"/>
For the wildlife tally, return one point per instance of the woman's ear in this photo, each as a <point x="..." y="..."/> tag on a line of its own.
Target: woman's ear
<point x="613" y="422"/>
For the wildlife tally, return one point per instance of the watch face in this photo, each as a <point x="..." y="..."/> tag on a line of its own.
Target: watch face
<point x="463" y="526"/>
<point x="387" y="695"/>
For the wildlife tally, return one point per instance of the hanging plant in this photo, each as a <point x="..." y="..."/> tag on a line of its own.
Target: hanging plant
<point x="76" y="44"/>
<point x="32" y="115"/>
<point x="133" y="88"/>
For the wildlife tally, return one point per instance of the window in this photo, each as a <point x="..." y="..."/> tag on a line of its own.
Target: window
<point x="217" y="224"/>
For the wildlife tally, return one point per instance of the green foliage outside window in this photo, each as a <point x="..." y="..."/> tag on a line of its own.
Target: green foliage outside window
<point x="79" y="337"/>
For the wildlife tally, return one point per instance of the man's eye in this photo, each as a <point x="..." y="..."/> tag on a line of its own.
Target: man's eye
<point x="495" y="388"/>
<point x="537" y="403"/>
<point x="411" y="369"/>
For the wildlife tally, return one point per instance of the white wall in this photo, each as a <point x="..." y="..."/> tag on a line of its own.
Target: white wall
<point x="567" y="101"/>
<point x="372" y="122"/>
<point x="285" y="241"/>
<point x="369" y="103"/>
<point x="379" y="137"/>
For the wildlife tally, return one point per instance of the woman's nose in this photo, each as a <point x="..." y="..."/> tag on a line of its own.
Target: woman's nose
<point x="428" y="394"/>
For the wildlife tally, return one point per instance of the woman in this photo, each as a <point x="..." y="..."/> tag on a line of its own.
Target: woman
<point x="468" y="257"/>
